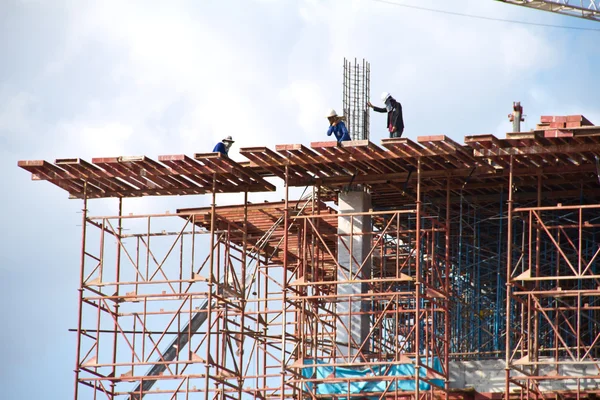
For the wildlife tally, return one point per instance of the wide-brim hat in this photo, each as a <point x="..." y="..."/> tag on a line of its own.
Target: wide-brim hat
<point x="228" y="139"/>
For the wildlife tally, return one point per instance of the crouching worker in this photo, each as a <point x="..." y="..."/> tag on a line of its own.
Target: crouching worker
<point x="223" y="146"/>
<point x="337" y="127"/>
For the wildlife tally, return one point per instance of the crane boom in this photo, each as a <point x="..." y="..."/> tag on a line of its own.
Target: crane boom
<point x="587" y="9"/>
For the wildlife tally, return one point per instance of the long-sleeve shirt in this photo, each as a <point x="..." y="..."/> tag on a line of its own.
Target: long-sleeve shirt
<point x="340" y="131"/>
<point x="220" y="148"/>
<point x="394" y="117"/>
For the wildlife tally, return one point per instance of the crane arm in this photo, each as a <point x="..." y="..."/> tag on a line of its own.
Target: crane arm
<point x="587" y="9"/>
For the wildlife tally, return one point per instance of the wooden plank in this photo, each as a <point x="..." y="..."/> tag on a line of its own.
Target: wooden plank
<point x="288" y="147"/>
<point x="532" y="135"/>
<point x="375" y="160"/>
<point x="483" y="141"/>
<point x="263" y="156"/>
<point x="558" y="133"/>
<point x="413" y="148"/>
<point x="450" y="151"/>
<point x="313" y="165"/>
<point x="431" y="138"/>
<point x="430" y="159"/>
<point x="92" y="174"/>
<point x="329" y="143"/>
<point x="44" y="170"/>
<point x="246" y="175"/>
<point x="189" y="169"/>
<point x="212" y="163"/>
<point x="122" y="168"/>
<point x="112" y="165"/>
<point x="157" y="173"/>
<point x="526" y="150"/>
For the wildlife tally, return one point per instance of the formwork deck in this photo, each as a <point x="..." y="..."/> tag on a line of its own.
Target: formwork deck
<point x="261" y="226"/>
<point x="565" y="160"/>
<point x="136" y="176"/>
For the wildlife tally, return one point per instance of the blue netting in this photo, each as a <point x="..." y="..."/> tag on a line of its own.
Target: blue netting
<point x="367" y="386"/>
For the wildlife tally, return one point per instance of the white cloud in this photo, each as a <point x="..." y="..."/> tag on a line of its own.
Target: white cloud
<point x="306" y="98"/>
<point x="101" y="139"/>
<point x="170" y="57"/>
<point x="221" y="81"/>
<point x="15" y="113"/>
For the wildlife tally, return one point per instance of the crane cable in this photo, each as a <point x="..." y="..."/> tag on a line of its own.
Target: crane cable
<point x="484" y="17"/>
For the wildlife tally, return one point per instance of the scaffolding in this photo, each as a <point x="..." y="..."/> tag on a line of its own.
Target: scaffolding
<point x="484" y="251"/>
<point x="554" y="298"/>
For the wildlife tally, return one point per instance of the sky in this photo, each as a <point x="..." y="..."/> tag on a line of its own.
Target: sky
<point x="96" y="79"/>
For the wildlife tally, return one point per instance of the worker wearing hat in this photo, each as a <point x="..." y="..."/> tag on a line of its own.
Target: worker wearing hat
<point x="223" y="146"/>
<point x="393" y="108"/>
<point x="337" y="126"/>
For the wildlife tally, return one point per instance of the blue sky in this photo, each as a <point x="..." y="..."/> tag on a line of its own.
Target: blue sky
<point x="91" y="79"/>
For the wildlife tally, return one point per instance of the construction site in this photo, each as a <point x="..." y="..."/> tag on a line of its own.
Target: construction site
<point x="413" y="268"/>
<point x="421" y="269"/>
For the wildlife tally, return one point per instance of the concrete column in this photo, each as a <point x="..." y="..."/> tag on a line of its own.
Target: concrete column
<point x="517" y="116"/>
<point x="353" y="328"/>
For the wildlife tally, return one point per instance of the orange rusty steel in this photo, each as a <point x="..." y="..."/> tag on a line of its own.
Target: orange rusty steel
<point x="261" y="332"/>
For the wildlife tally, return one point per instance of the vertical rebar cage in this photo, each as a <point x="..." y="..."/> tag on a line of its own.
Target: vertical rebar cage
<point x="357" y="86"/>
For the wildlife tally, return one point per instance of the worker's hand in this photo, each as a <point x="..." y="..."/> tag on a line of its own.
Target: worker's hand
<point x="369" y="104"/>
<point x="393" y="129"/>
<point x="334" y="123"/>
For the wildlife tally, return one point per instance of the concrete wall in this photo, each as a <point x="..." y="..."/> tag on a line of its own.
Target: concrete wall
<point x="483" y="376"/>
<point x="489" y="376"/>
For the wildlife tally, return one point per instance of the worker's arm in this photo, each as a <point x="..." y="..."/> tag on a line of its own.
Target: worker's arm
<point x="330" y="130"/>
<point x="378" y="109"/>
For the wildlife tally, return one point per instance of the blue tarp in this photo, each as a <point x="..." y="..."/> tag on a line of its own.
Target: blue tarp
<point x="367" y="386"/>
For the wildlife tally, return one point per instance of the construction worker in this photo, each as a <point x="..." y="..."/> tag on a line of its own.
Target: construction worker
<point x="223" y="146"/>
<point x="337" y="126"/>
<point x="393" y="108"/>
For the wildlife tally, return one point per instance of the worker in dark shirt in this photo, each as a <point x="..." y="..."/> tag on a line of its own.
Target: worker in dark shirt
<point x="223" y="146"/>
<point x="393" y="108"/>
<point x="337" y="127"/>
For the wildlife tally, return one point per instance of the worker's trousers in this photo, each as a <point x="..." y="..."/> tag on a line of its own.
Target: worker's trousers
<point x="396" y="134"/>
